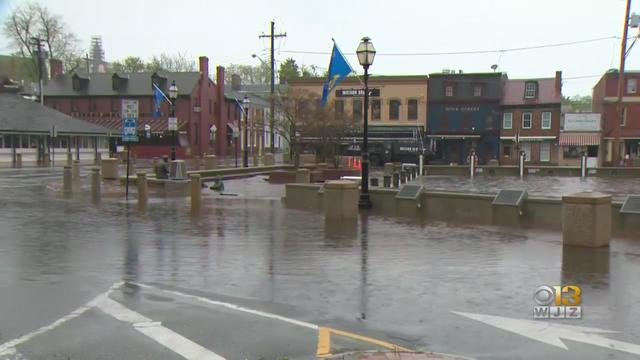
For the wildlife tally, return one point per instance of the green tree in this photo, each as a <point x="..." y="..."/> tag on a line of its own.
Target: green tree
<point x="309" y="71"/>
<point x="32" y="20"/>
<point x="289" y="70"/>
<point x="577" y="103"/>
<point x="128" y="65"/>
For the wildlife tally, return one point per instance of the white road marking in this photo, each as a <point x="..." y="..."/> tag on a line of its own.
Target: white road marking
<point x="154" y="330"/>
<point x="234" y="307"/>
<point x="9" y="347"/>
<point x="552" y="334"/>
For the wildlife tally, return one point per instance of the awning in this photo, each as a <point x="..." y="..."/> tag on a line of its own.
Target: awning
<point x="234" y="130"/>
<point x="583" y="139"/>
<point x="156" y="124"/>
<point x="528" y="138"/>
<point x="454" y="136"/>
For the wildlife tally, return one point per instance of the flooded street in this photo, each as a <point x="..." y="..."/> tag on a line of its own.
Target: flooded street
<point x="388" y="278"/>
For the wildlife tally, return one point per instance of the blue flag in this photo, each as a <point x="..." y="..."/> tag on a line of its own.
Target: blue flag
<point x="158" y="97"/>
<point x="339" y="69"/>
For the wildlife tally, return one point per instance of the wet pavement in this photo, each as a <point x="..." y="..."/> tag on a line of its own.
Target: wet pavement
<point x="248" y="278"/>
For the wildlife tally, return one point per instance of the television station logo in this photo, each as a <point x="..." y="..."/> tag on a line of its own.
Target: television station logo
<point x="558" y="302"/>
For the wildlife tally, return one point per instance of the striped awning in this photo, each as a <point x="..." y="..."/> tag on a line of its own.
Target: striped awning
<point x="583" y="139"/>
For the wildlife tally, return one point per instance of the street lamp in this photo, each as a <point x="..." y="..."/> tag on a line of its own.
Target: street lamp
<point x="173" y="123"/>
<point x="366" y="53"/>
<point x="245" y="157"/>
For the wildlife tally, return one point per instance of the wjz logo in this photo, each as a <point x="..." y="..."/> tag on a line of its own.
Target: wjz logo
<point x="558" y="302"/>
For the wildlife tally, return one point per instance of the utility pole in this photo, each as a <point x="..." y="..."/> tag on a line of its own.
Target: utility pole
<point x="40" y="58"/>
<point x="620" y="109"/>
<point x="272" y="36"/>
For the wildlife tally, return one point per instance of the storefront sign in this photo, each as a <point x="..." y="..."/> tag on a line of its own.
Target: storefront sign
<point x="357" y="92"/>
<point x="582" y="122"/>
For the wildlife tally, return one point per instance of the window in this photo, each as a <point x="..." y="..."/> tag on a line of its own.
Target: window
<point x="375" y="109"/>
<point x="412" y="109"/>
<point x="526" y="147"/>
<point x="477" y="90"/>
<point x="357" y="109"/>
<point x="339" y="111"/>
<point x="506" y="151"/>
<point x="573" y="152"/>
<point x="530" y="90"/>
<point x="632" y="86"/>
<point x="448" y="90"/>
<point x="394" y="109"/>
<point x="546" y="120"/>
<point x="623" y="119"/>
<point x="545" y="151"/>
<point x="526" y="120"/>
<point x="507" y="121"/>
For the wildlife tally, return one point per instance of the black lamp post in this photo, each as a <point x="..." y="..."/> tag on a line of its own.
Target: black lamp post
<point x="245" y="156"/>
<point x="366" y="53"/>
<point x="173" y="96"/>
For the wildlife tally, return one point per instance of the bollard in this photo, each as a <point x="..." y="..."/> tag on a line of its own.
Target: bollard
<point x="109" y="169"/>
<point x="421" y="164"/>
<point x="18" y="160"/>
<point x="67" y="185"/>
<point x="586" y="219"/>
<point x="95" y="184"/>
<point x="472" y="164"/>
<point x="196" y="192"/>
<point x="583" y="166"/>
<point x="210" y="162"/>
<point x="396" y="180"/>
<point x="143" y="192"/>
<point x="75" y="170"/>
<point x="341" y="199"/>
<point x="521" y="164"/>
<point x="374" y="181"/>
<point x="303" y="176"/>
<point x="386" y="181"/>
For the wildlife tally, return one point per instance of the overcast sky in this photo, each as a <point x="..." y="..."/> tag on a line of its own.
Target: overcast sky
<point x="227" y="32"/>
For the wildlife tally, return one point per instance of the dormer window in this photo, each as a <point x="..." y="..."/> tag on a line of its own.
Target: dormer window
<point x="159" y="80"/>
<point x="530" y="90"/>
<point x="119" y="82"/>
<point x="79" y="83"/>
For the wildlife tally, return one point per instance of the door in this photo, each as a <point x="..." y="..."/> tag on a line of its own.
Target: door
<point x="526" y="147"/>
<point x="545" y="152"/>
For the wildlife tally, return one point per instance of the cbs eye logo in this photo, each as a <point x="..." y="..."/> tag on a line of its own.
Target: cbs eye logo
<point x="568" y="295"/>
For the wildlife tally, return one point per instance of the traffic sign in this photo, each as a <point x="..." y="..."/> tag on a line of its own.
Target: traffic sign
<point x="129" y="120"/>
<point x="173" y="124"/>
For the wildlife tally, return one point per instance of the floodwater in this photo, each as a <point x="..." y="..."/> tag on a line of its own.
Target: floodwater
<point x="391" y="276"/>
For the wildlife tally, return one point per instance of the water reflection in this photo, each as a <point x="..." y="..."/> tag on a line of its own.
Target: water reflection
<point x="582" y="265"/>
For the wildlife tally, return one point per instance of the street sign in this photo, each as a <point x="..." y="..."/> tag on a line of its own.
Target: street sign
<point x="129" y="120"/>
<point x="357" y="92"/>
<point x="172" y="124"/>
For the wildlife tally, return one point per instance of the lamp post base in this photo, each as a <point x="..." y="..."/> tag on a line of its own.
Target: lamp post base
<point x="364" y="202"/>
<point x="173" y="153"/>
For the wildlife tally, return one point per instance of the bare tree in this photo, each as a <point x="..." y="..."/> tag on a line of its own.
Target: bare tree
<point x="260" y="74"/>
<point x="33" y="20"/>
<point x="178" y="62"/>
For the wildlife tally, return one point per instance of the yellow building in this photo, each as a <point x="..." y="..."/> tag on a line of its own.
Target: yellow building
<point x="397" y="112"/>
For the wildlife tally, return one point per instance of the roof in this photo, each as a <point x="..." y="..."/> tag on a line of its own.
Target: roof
<point x="513" y="93"/>
<point x="25" y="116"/>
<point x="100" y="84"/>
<point x="239" y="96"/>
<point x="463" y="74"/>
<point x="356" y="79"/>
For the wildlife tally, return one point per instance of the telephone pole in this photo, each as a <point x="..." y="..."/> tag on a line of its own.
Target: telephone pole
<point x="272" y="36"/>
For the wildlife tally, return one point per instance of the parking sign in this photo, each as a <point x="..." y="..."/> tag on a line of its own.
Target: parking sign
<point x="129" y="120"/>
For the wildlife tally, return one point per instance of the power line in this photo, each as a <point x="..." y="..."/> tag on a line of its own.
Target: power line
<point x="493" y="51"/>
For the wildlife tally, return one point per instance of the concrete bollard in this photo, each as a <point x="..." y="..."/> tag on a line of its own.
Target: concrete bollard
<point x="269" y="159"/>
<point x="396" y="180"/>
<point x="143" y="191"/>
<point x="196" y="192"/>
<point x="303" y="176"/>
<point x="341" y="199"/>
<point x="18" y="160"/>
<point x="95" y="184"/>
<point x="586" y="219"/>
<point x="178" y="170"/>
<point x="67" y="182"/>
<point x="374" y="181"/>
<point x="386" y="181"/>
<point x="75" y="170"/>
<point x="110" y="169"/>
<point x="210" y="162"/>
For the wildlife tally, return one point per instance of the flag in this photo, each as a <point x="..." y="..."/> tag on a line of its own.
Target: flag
<point x="339" y="68"/>
<point x="158" y="97"/>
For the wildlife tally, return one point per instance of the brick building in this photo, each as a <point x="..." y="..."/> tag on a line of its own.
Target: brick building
<point x="623" y="129"/>
<point x="200" y="106"/>
<point x="463" y="114"/>
<point x="531" y="114"/>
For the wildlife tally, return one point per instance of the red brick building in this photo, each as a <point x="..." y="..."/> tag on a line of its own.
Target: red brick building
<point x="201" y="104"/>
<point x="531" y="113"/>
<point x="605" y="99"/>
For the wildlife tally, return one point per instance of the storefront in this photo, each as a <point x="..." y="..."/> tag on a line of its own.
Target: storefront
<point x="539" y="150"/>
<point x="580" y="135"/>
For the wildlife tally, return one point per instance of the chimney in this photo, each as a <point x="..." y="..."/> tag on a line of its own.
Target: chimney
<point x="559" y="82"/>
<point x="204" y="66"/>
<point x="220" y="80"/>
<point x="55" y="67"/>
<point x="236" y="82"/>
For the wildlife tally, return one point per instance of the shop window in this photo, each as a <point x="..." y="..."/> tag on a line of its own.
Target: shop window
<point x="375" y="109"/>
<point x="573" y="152"/>
<point x="394" y="109"/>
<point x="412" y="109"/>
<point x="357" y="109"/>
